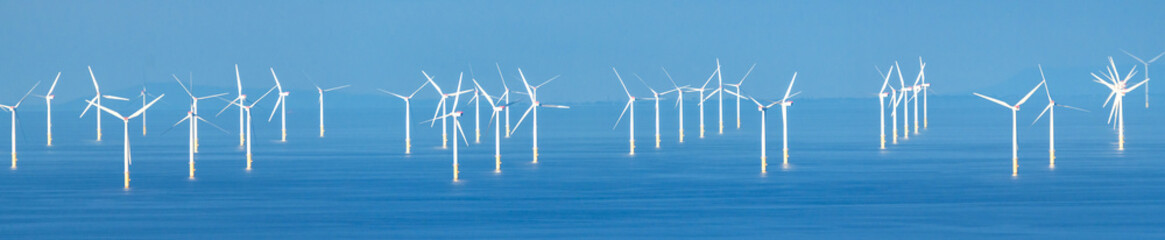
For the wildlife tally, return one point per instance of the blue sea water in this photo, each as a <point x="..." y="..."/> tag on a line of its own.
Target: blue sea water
<point x="951" y="180"/>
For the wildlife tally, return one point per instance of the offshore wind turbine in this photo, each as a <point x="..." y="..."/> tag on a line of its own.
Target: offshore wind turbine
<point x="917" y="87"/>
<point x="654" y="96"/>
<point x="441" y="106"/>
<point x="408" y="115"/>
<point x="97" y="100"/>
<point x="1119" y="89"/>
<point x="497" y="108"/>
<point x="506" y="88"/>
<point x="764" y="164"/>
<point x="281" y="107"/>
<point x="1014" y="108"/>
<point x="532" y="92"/>
<point x="925" y="88"/>
<point x="125" y="127"/>
<point x="738" y="93"/>
<point x="679" y="100"/>
<point x="882" y="94"/>
<point x="321" y="91"/>
<point x="456" y="115"/>
<point x="242" y="100"/>
<point x="12" y="109"/>
<point x="193" y="134"/>
<point x="247" y="110"/>
<point x="906" y="105"/>
<point x="144" y="95"/>
<point x="704" y="98"/>
<point x="720" y="101"/>
<point x="630" y="105"/>
<point x="194" y="107"/>
<point x="785" y="103"/>
<point x="1051" y="111"/>
<point x="48" y="98"/>
<point x="1146" y="63"/>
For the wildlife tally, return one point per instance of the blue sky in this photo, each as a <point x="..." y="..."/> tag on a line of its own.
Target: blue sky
<point x="834" y="45"/>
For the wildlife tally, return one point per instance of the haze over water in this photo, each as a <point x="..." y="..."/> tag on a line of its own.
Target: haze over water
<point x="953" y="180"/>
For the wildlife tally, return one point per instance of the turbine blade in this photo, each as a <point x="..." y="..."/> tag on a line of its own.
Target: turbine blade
<point x="26" y="95"/>
<point x="993" y="100"/>
<point x="1073" y="108"/>
<point x="337" y="88"/>
<point x="54" y="86"/>
<point x="1029" y="94"/>
<point x="183" y="85"/>
<point x="276" y="108"/>
<point x="790" y="89"/>
<point x="115" y="97"/>
<point x="522" y="118"/>
<point x="621" y="83"/>
<point x="87" y="107"/>
<point x="394" y="94"/>
<point x="213" y="96"/>
<point x="261" y="97"/>
<point x="147" y="106"/>
<point x="625" y="107"/>
<point x="426" y="83"/>
<point x="110" y="111"/>
<point x="1042" y="113"/>
<point x="1134" y="57"/>
<point x="213" y="125"/>
<point x="229" y="105"/>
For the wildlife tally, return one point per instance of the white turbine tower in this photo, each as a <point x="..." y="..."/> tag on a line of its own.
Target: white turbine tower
<point x="48" y="98"/>
<point x="720" y="101"/>
<point x="532" y="91"/>
<point x="917" y="87"/>
<point x="704" y="98"/>
<point x="506" y="88"/>
<point x="655" y="97"/>
<point x="321" y="91"/>
<point x="1146" y="63"/>
<point x="630" y="105"/>
<point x="281" y="107"/>
<point x="764" y="164"/>
<point x="679" y="90"/>
<point x="497" y="108"/>
<point x="193" y="134"/>
<point x="247" y="111"/>
<point x="906" y="103"/>
<point x="441" y="106"/>
<point x="1051" y="111"/>
<point x="144" y="95"/>
<point x="12" y="109"/>
<point x="125" y="126"/>
<point x="785" y="103"/>
<point x="882" y="94"/>
<point x="1119" y="89"/>
<point x="97" y="100"/>
<point x="925" y="88"/>
<point x="1014" y="108"/>
<point x="194" y="107"/>
<point x="242" y="100"/>
<point x="738" y="93"/>
<point x="456" y="115"/>
<point x="408" y="115"/>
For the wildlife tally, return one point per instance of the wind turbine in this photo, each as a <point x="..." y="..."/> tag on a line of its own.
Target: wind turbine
<point x="194" y="107"/>
<point x="720" y="101"/>
<point x="882" y="94"/>
<point x="916" y="88"/>
<point x="247" y="110"/>
<point x="497" y="108"/>
<point x="764" y="164"/>
<point x="321" y="92"/>
<point x="456" y="115"/>
<point x="925" y="89"/>
<point x="193" y="134"/>
<point x="280" y="106"/>
<point x="704" y="98"/>
<point x="48" y="98"/>
<point x="1119" y="89"/>
<point x="506" y="87"/>
<point x="654" y="96"/>
<point x="125" y="127"/>
<point x="737" y="93"/>
<point x="532" y="91"/>
<point x="12" y="109"/>
<point x="441" y="106"/>
<point x="1014" y="108"/>
<point x="242" y="100"/>
<point x="144" y="95"/>
<point x="1146" y="63"/>
<point x="1051" y="111"/>
<point x="630" y="105"/>
<point x="785" y="103"/>
<point x="906" y="106"/>
<point x="408" y="115"/>
<point x="97" y="100"/>
<point x="679" y="100"/>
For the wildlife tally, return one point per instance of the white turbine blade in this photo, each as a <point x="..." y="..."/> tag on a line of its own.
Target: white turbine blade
<point x="746" y="75"/>
<point x="230" y="104"/>
<point x="488" y="98"/>
<point x="547" y="81"/>
<point x="993" y="100"/>
<point x="1109" y="98"/>
<point x="555" y="106"/>
<point x="1135" y="86"/>
<point x="673" y="82"/>
<point x="1029" y="94"/>
<point x="644" y="83"/>
<point x="901" y="82"/>
<point x="1155" y="58"/>
<point x="713" y="93"/>
<point x="95" y="87"/>
<point x="430" y="79"/>
<point x="462" y="92"/>
<point x="794" y="94"/>
<point x="1042" y="113"/>
<point x="438" y="118"/>
<point x="277" y="84"/>
<point x="26" y="95"/>
<point x="110" y="111"/>
<point x="503" y="77"/>
<point x="261" y="97"/>
<point x="238" y="80"/>
<point x="625" y="107"/>
<point x="886" y="78"/>
<point x="88" y="106"/>
<point x="621" y="83"/>
<point x="790" y="89"/>
<point x="529" y="89"/>
<point x="213" y="96"/>
<point x="457" y="124"/>
<point x="437" y="111"/>
<point x="1130" y="75"/>
<point x="457" y="94"/>
<point x="394" y="94"/>
<point x="181" y="121"/>
<point x="212" y="125"/>
<point x="757" y="103"/>
<point x="426" y="83"/>
<point x="733" y="93"/>
<point x="1045" y="81"/>
<point x="147" y="106"/>
<point x="337" y="88"/>
<point x="710" y="78"/>
<point x="54" y="86"/>
<point x="115" y="97"/>
<point x="183" y="85"/>
<point x="522" y="118"/>
<point x="1073" y="108"/>
<point x="1134" y="57"/>
<point x="276" y="108"/>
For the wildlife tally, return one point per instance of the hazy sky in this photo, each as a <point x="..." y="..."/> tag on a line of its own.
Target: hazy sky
<point x="834" y="45"/>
